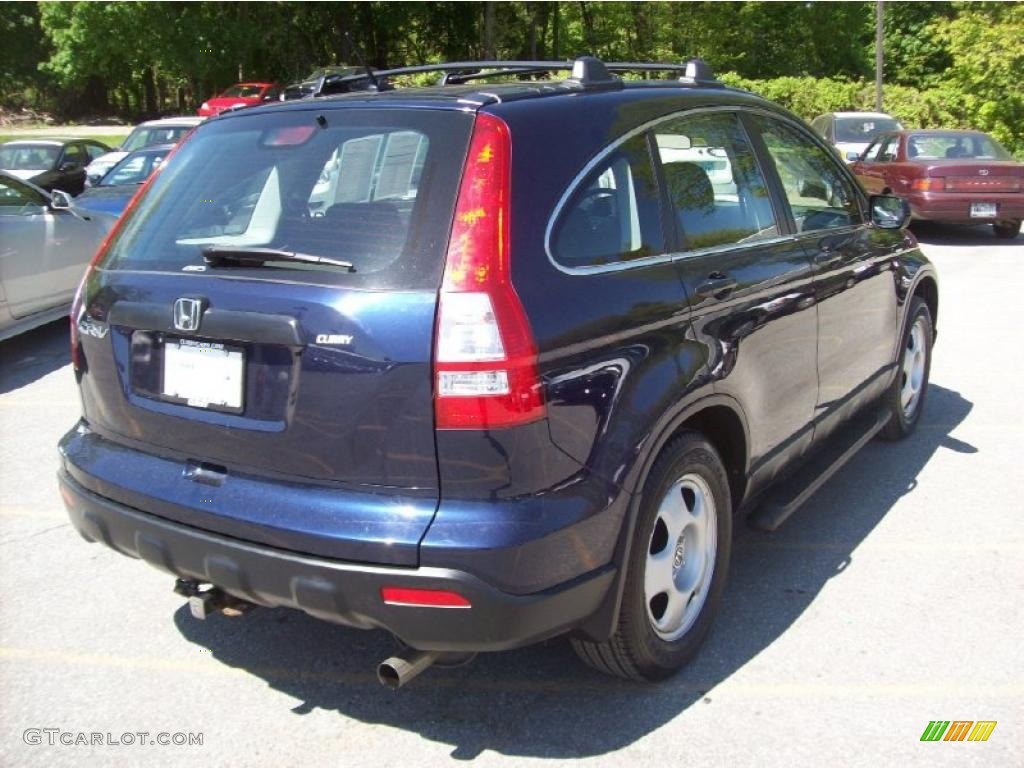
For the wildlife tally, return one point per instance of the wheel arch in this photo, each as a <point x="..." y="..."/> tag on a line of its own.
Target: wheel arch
<point x="721" y="420"/>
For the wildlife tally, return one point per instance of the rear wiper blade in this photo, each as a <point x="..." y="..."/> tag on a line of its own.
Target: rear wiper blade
<point x="222" y="254"/>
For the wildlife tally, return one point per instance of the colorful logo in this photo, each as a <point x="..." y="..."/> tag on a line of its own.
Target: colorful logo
<point x="958" y="730"/>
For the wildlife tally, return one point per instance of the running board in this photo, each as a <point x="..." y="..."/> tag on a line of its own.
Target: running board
<point x="792" y="492"/>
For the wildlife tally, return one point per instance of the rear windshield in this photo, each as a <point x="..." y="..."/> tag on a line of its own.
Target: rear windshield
<point x="861" y="130"/>
<point x="243" y="91"/>
<point x="28" y="157"/>
<point x="147" y="137"/>
<point x="373" y="187"/>
<point x="939" y="146"/>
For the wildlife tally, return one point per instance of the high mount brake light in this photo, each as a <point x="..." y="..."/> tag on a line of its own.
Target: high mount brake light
<point x="485" y="357"/>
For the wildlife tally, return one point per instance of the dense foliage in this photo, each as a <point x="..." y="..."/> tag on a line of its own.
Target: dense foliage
<point x="947" y="63"/>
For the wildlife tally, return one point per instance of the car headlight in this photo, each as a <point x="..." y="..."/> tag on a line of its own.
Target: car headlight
<point x="205" y="105"/>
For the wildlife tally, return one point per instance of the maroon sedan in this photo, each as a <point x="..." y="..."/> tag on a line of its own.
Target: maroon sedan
<point x="960" y="177"/>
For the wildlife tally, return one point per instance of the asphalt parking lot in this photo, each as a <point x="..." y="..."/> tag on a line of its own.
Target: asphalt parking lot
<point x="894" y="597"/>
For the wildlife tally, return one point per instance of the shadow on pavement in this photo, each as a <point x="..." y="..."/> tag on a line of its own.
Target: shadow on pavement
<point x="34" y="354"/>
<point x="541" y="701"/>
<point x="936" y="233"/>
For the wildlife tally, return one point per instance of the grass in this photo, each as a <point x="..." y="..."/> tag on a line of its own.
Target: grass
<point x="111" y="140"/>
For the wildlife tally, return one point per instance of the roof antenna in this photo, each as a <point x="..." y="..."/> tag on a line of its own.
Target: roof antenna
<point x="354" y="49"/>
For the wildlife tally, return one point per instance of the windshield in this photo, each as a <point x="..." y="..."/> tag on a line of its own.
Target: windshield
<point x="372" y="187"/>
<point x="861" y="130"/>
<point x="29" y="157"/>
<point x="147" y="137"/>
<point x="242" y="92"/>
<point x="972" y="146"/>
<point x="134" y="169"/>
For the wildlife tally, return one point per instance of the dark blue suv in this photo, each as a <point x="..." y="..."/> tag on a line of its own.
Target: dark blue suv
<point x="485" y="363"/>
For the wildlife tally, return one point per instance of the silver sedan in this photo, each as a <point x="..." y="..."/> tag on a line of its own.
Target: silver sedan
<point x="43" y="254"/>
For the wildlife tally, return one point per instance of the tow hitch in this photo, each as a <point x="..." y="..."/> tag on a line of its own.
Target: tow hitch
<point x="205" y="602"/>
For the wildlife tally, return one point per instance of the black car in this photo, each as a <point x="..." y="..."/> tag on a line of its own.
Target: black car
<point x="51" y="163"/>
<point x="312" y="83"/>
<point x="483" y="364"/>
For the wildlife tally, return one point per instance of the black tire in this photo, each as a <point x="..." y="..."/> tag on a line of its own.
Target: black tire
<point x="1006" y="230"/>
<point x="901" y="422"/>
<point x="635" y="651"/>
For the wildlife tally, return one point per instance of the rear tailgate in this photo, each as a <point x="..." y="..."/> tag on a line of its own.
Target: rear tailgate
<point x="283" y="403"/>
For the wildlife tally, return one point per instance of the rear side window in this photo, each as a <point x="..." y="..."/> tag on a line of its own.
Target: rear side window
<point x="612" y="216"/>
<point x="372" y="187"/>
<point x="714" y="184"/>
<point x="819" y="194"/>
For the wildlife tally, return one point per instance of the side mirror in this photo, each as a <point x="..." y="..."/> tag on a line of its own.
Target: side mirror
<point x="888" y="212"/>
<point x="60" y="200"/>
<point x="851" y="156"/>
<point x="69" y="165"/>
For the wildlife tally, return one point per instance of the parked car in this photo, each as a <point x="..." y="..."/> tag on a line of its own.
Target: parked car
<point x="111" y="194"/>
<point x="239" y="95"/>
<point x="51" y="163"/>
<point x="167" y="130"/>
<point x="851" y="132"/>
<point x="43" y="254"/>
<point x="959" y="177"/>
<point x="308" y="85"/>
<point x="501" y="380"/>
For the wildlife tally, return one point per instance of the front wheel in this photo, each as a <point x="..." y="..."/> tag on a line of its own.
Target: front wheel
<point x="1006" y="230"/>
<point x="677" y="565"/>
<point x="905" y="398"/>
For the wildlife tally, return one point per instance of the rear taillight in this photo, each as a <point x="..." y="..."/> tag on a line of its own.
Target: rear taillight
<point x="929" y="185"/>
<point x="485" y="358"/>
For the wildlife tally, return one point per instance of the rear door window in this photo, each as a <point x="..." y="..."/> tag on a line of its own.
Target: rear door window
<point x="372" y="187"/>
<point x="713" y="181"/>
<point x="612" y="216"/>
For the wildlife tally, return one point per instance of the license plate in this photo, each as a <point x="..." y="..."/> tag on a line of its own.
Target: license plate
<point x="203" y="374"/>
<point x="983" y="210"/>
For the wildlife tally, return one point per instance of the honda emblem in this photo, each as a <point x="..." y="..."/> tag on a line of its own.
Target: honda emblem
<point x="187" y="313"/>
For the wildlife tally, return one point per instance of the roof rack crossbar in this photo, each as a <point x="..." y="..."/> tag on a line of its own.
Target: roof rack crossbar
<point x="586" y="71"/>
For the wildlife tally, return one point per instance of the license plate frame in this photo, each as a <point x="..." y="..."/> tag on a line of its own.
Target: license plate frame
<point x="206" y="375"/>
<point x="983" y="210"/>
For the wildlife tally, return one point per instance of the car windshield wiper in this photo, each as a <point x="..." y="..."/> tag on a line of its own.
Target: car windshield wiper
<point x="224" y="254"/>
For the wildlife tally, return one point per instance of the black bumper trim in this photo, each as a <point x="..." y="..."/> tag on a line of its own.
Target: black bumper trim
<point x="345" y="593"/>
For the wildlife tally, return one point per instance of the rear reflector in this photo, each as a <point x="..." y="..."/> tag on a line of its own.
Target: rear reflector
<point x="485" y="358"/>
<point x="434" y="598"/>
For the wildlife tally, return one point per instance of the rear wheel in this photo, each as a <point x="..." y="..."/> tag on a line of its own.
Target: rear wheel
<point x="905" y="398"/>
<point x="677" y="566"/>
<point x="1006" y="230"/>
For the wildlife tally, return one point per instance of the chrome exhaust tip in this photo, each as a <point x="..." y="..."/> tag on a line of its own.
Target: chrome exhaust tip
<point x="404" y="666"/>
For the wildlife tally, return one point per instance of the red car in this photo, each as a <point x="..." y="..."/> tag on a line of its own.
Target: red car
<point x="240" y="94"/>
<point x="959" y="177"/>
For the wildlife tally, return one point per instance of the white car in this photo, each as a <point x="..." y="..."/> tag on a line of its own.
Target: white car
<point x="851" y="132"/>
<point x="45" y="246"/>
<point x="168" y="130"/>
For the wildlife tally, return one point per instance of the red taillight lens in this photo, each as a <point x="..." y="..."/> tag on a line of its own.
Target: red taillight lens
<point x="412" y="596"/>
<point x="936" y="184"/>
<point x="485" y="358"/>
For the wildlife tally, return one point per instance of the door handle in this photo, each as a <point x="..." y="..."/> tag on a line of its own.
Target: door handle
<point x="718" y="284"/>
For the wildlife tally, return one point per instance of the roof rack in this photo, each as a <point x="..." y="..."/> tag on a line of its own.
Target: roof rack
<point x="586" y="72"/>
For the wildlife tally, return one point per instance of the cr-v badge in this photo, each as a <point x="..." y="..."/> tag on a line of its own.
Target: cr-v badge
<point x="187" y="313"/>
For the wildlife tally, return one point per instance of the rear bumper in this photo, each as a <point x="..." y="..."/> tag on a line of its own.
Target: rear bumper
<point x="955" y="207"/>
<point x="341" y="592"/>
